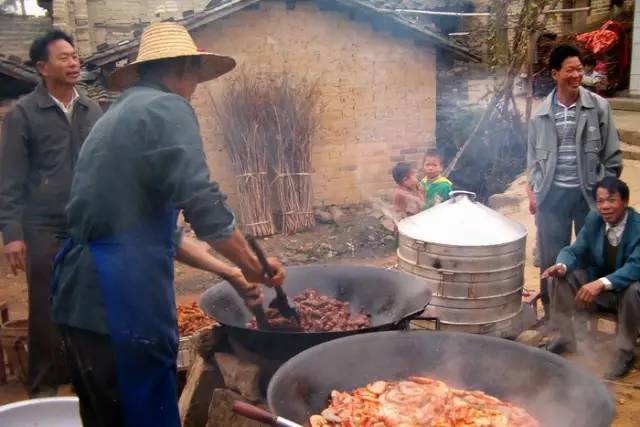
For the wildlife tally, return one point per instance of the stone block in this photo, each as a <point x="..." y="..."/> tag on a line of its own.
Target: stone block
<point x="530" y="337"/>
<point x="202" y="379"/>
<point x="323" y="216"/>
<point x="240" y="376"/>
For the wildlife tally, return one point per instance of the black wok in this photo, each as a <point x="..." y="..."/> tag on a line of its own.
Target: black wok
<point x="391" y="297"/>
<point x="555" y="392"/>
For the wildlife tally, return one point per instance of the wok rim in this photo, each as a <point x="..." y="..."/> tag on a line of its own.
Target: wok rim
<point x="310" y="352"/>
<point x="373" y="328"/>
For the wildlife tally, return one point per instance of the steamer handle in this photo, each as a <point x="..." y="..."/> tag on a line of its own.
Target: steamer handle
<point x="470" y="194"/>
<point x="428" y="318"/>
<point x="405" y="323"/>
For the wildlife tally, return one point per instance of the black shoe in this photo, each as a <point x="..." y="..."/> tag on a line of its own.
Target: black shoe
<point x="561" y="345"/>
<point x="621" y="365"/>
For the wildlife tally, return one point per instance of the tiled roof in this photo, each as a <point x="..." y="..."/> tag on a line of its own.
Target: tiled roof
<point x="218" y="9"/>
<point x="18" y="71"/>
<point x="96" y="91"/>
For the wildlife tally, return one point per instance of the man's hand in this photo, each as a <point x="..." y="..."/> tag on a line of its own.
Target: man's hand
<point x="237" y="250"/>
<point x="16" y="254"/>
<point x="557" y="270"/>
<point x="195" y="254"/>
<point x="251" y="293"/>
<point x="532" y="201"/>
<point x="260" y="276"/>
<point x="588" y="293"/>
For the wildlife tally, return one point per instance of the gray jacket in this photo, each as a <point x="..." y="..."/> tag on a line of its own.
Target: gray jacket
<point x="597" y="144"/>
<point x="38" y="151"/>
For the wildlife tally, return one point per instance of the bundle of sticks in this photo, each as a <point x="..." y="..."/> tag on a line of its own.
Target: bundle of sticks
<point x="268" y="125"/>
<point x="290" y="126"/>
<point x="240" y="116"/>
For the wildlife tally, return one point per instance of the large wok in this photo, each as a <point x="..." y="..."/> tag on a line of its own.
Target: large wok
<point x="391" y="297"/>
<point x="554" y="391"/>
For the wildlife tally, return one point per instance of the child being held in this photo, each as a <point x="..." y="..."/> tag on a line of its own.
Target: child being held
<point x="435" y="186"/>
<point x="407" y="196"/>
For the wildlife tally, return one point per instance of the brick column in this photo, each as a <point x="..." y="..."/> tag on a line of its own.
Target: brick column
<point x="62" y="16"/>
<point x="71" y="16"/>
<point x="82" y="33"/>
<point x="634" y="84"/>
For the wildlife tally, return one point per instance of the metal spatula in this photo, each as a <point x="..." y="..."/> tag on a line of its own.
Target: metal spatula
<point x="280" y="302"/>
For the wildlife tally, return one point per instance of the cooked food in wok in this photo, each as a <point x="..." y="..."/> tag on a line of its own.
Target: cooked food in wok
<point x="319" y="313"/>
<point x="419" y="402"/>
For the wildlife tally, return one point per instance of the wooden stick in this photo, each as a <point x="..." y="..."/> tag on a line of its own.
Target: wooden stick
<point x="570" y="10"/>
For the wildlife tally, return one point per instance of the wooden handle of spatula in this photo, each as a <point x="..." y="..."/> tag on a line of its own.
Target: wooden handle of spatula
<point x="253" y="412"/>
<point x="262" y="257"/>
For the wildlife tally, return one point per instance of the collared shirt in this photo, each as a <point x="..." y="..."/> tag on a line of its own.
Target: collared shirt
<point x="614" y="236"/>
<point x="566" y="174"/>
<point x="145" y="155"/>
<point x="614" y="232"/>
<point x="67" y="110"/>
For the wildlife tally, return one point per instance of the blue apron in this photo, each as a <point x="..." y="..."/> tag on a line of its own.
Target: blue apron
<point x="135" y="270"/>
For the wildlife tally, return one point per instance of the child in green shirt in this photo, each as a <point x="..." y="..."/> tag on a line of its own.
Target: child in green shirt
<point x="436" y="187"/>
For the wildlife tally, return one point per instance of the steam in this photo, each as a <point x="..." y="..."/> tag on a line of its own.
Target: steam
<point x="387" y="209"/>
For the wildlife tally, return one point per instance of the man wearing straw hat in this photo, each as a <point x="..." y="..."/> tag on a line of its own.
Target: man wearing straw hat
<point x="113" y="294"/>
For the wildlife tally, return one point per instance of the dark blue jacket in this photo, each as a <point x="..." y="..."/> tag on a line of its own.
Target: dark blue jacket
<point x="144" y="155"/>
<point x="587" y="252"/>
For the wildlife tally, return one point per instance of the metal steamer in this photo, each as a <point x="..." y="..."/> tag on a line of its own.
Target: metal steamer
<point x="472" y="259"/>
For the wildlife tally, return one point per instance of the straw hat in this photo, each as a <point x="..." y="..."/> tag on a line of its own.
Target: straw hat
<point x="167" y="40"/>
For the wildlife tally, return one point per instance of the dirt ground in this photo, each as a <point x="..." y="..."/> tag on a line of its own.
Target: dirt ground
<point x="358" y="238"/>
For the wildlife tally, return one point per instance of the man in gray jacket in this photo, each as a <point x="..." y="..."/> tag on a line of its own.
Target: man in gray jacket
<point x="41" y="138"/>
<point x="573" y="144"/>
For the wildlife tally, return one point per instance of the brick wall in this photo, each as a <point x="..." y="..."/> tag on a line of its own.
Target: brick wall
<point x="17" y="33"/>
<point x="601" y="10"/>
<point x="379" y="93"/>
<point x="94" y="22"/>
<point x="116" y="20"/>
<point x="558" y="23"/>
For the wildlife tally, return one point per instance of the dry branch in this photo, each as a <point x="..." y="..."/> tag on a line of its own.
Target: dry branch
<point x="290" y="126"/>
<point x="531" y="18"/>
<point x="240" y="113"/>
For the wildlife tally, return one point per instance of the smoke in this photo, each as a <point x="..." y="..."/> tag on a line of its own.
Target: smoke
<point x="387" y="209"/>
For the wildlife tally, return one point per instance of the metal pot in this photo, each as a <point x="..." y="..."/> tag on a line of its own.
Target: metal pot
<point x="472" y="258"/>
<point x="46" y="412"/>
<point x="392" y="298"/>
<point x="555" y="392"/>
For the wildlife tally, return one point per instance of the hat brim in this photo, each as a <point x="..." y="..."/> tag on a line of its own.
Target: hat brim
<point x="211" y="67"/>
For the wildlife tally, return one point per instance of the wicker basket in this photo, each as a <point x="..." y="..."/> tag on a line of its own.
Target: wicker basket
<point x="14" y="335"/>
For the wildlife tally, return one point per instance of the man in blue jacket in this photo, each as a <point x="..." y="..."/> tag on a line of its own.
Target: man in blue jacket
<point x="601" y="269"/>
